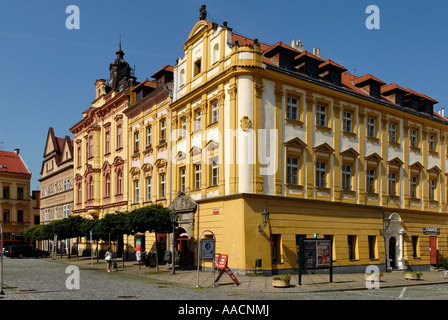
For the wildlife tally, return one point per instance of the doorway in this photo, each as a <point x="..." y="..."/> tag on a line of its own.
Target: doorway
<point x="433" y="250"/>
<point x="392" y="253"/>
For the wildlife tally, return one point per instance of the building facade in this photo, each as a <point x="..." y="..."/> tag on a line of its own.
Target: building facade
<point x="56" y="179"/>
<point x="327" y="153"/>
<point x="16" y="205"/>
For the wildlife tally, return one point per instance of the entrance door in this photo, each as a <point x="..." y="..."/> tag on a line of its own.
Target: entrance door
<point x="392" y="256"/>
<point x="433" y="250"/>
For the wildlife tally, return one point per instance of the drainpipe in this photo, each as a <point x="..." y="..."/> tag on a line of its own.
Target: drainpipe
<point x="385" y="241"/>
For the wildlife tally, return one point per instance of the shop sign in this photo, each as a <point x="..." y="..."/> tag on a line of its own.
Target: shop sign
<point x="215" y="211"/>
<point x="427" y="230"/>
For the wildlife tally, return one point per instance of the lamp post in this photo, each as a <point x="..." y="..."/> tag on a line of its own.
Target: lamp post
<point x="1" y="257"/>
<point x="265" y="219"/>
<point x="173" y="221"/>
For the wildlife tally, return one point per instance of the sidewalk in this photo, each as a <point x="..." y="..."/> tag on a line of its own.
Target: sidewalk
<point x="257" y="283"/>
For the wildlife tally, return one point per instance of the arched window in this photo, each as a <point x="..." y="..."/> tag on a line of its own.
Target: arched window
<point x="120" y="182"/>
<point x="215" y="53"/>
<point x="91" y="188"/>
<point x="107" y="186"/>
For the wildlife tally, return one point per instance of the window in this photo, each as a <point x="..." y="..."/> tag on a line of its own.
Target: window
<point x="6" y="216"/>
<point x="90" y="147"/>
<point x="413" y="186"/>
<point x="321" y="115"/>
<point x="91" y="188"/>
<point x="197" y="67"/>
<point x="292" y="108"/>
<point x="65" y="210"/>
<point x="136" y="191"/>
<point x="370" y="187"/>
<point x="183" y="122"/>
<point x="215" y="112"/>
<point x="148" y="189"/>
<point x="392" y="184"/>
<point x="107" y="143"/>
<point x="372" y="247"/>
<point x="432" y="143"/>
<point x="292" y="169"/>
<point x="162" y="186"/>
<point x="348" y="122"/>
<point x="19" y="215"/>
<point x="198" y="120"/>
<point x="351" y="241"/>
<point x="415" y="251"/>
<point x="107" y="185"/>
<point x="215" y="172"/>
<point x="414" y="138"/>
<point x="55" y="213"/>
<point x="79" y="194"/>
<point x="432" y="184"/>
<point x="371" y="131"/>
<point x="321" y="174"/>
<point x="6" y="193"/>
<point x="197" y="176"/>
<point x="65" y="184"/>
<point x="162" y="131"/>
<point x="79" y="157"/>
<point x="182" y="175"/>
<point x="148" y="136"/>
<point x="19" y="193"/>
<point x="215" y="55"/>
<point x="120" y="182"/>
<point x="136" y="141"/>
<point x="392" y="132"/>
<point x="346" y="177"/>
<point x="119" y="137"/>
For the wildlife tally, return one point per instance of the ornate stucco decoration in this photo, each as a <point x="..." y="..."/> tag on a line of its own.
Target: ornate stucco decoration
<point x="245" y="123"/>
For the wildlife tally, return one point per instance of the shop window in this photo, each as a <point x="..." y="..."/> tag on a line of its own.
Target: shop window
<point x="276" y="255"/>
<point x="352" y="247"/>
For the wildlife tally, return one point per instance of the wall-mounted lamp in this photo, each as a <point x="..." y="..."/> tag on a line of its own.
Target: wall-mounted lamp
<point x="265" y="218"/>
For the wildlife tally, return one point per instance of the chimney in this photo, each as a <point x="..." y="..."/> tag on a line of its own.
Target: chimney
<point x="17" y="151"/>
<point x="443" y="112"/>
<point x="298" y="45"/>
<point x="316" y="52"/>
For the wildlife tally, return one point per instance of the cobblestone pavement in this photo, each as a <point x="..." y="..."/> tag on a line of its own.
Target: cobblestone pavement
<point x="42" y="279"/>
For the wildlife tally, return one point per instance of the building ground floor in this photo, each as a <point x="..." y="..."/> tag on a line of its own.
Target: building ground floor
<point x="361" y="235"/>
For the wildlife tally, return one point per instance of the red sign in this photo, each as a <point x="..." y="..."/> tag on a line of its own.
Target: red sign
<point x="215" y="211"/>
<point x="221" y="264"/>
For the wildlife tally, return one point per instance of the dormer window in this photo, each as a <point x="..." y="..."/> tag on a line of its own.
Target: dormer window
<point x="331" y="72"/>
<point x="370" y="84"/>
<point x="159" y="82"/>
<point x="395" y="93"/>
<point x="308" y="64"/>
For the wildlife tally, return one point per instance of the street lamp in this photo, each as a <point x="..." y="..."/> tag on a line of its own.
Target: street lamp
<point x="173" y="217"/>
<point x="265" y="219"/>
<point x="386" y="223"/>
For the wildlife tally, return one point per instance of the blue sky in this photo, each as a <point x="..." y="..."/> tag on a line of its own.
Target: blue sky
<point x="48" y="71"/>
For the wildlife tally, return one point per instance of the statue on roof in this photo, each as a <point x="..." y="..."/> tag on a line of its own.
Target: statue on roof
<point x="202" y="12"/>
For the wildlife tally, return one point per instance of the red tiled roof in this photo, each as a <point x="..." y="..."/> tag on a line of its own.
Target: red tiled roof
<point x="165" y="68"/>
<point x="280" y="45"/>
<point x="13" y="163"/>
<point x="244" y="41"/>
<point x="391" y="87"/>
<point x="307" y="54"/>
<point x="329" y="62"/>
<point x="367" y="77"/>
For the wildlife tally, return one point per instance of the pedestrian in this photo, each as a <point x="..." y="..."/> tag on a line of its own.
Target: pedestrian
<point x="138" y="252"/>
<point x="108" y="257"/>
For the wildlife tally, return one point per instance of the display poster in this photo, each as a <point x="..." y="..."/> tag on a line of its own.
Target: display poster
<point x="317" y="254"/>
<point x="323" y="254"/>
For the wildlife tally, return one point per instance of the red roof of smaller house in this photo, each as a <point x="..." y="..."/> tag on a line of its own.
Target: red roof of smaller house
<point x="165" y="68"/>
<point x="12" y="163"/>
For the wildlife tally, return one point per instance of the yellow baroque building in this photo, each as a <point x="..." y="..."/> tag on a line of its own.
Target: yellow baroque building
<point x="328" y="154"/>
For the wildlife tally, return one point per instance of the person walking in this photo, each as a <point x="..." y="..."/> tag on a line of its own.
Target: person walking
<point x="108" y="257"/>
